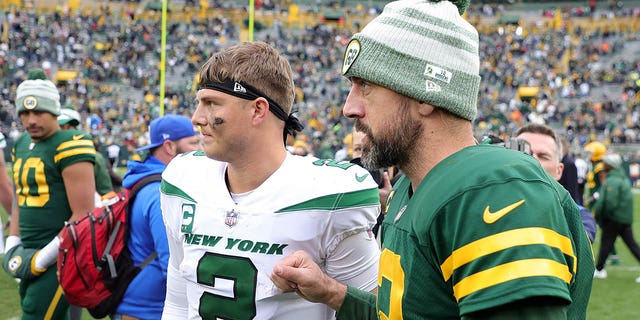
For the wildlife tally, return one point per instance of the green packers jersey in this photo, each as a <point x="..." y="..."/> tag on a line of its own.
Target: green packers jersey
<point x="593" y="182"/>
<point x="40" y="190"/>
<point x="486" y="227"/>
<point x="101" y="174"/>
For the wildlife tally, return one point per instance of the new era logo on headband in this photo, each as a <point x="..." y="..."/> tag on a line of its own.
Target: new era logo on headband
<point x="432" y="86"/>
<point x="239" y="88"/>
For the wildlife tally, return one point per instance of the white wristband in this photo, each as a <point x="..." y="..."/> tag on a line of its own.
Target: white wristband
<point x="12" y="241"/>
<point x="48" y="255"/>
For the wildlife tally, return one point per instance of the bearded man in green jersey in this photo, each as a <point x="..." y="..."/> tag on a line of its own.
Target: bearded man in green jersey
<point x="53" y="176"/>
<point x="471" y="231"/>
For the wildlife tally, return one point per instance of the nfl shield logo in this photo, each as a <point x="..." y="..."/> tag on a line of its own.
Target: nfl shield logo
<point x="231" y="219"/>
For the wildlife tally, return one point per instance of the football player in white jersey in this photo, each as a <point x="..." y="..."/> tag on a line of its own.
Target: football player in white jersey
<point x="236" y="209"/>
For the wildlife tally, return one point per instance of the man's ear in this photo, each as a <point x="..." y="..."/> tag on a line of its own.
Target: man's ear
<point x="261" y="109"/>
<point x="559" y="170"/>
<point x="170" y="147"/>
<point x="425" y="109"/>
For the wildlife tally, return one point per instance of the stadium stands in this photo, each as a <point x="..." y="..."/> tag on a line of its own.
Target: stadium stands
<point x="542" y="62"/>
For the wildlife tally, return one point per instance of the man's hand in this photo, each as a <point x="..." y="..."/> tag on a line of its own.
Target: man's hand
<point x="384" y="191"/>
<point x="299" y="273"/>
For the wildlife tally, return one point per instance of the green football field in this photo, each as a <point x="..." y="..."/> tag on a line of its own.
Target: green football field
<point x="611" y="298"/>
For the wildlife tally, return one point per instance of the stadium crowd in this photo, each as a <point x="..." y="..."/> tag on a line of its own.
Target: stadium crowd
<point x="577" y="78"/>
<point x="116" y="55"/>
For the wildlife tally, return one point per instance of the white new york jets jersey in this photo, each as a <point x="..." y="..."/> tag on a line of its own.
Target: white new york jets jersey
<point x="224" y="252"/>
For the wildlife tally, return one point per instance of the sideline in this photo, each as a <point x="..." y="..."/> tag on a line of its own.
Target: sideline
<point x="622" y="268"/>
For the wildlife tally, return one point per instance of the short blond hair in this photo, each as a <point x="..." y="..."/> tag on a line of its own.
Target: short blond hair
<point x="256" y="64"/>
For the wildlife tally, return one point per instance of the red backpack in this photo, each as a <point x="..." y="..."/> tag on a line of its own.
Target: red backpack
<point x="94" y="263"/>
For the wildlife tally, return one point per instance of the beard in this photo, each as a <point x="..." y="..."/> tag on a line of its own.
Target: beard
<point x="391" y="147"/>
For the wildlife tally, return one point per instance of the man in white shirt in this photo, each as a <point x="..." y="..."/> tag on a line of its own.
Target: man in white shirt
<point x="236" y="209"/>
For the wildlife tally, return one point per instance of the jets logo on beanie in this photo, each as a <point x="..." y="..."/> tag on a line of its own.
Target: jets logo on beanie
<point x="422" y="49"/>
<point x="38" y="94"/>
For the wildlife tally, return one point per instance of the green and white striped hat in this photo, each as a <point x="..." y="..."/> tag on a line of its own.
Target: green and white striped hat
<point x="422" y="49"/>
<point x="38" y="94"/>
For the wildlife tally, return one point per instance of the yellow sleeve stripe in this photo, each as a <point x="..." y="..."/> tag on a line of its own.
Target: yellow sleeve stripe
<point x="511" y="271"/>
<point x="75" y="144"/>
<point x="74" y="152"/>
<point x="34" y="269"/>
<point x="506" y="240"/>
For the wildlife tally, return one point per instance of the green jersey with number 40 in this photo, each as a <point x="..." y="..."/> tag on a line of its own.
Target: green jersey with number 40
<point x="40" y="190"/>
<point x="486" y="227"/>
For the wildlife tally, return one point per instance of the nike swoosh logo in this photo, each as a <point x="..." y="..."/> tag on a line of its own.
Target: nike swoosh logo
<point x="361" y="178"/>
<point x="491" y="217"/>
<point x="78" y="137"/>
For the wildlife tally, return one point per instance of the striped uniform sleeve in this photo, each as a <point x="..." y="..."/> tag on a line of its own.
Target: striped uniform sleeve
<point x="516" y="244"/>
<point x="77" y="149"/>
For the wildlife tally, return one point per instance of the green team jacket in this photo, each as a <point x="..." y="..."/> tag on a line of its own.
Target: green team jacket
<point x="616" y="199"/>
<point x="486" y="228"/>
<point x="37" y="174"/>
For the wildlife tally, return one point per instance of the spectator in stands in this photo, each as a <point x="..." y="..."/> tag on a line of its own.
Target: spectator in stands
<point x="300" y="148"/>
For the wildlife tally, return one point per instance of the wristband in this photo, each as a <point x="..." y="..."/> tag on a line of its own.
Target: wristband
<point x="12" y="241"/>
<point x="47" y="256"/>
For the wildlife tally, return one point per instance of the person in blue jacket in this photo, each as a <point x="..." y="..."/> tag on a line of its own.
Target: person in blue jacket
<point x="170" y="136"/>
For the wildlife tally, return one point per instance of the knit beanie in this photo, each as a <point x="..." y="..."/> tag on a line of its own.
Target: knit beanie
<point x="422" y="49"/>
<point x="37" y="73"/>
<point x="613" y="160"/>
<point x="69" y="115"/>
<point x="38" y="95"/>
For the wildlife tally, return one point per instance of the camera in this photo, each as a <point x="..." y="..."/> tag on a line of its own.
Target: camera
<point x="518" y="144"/>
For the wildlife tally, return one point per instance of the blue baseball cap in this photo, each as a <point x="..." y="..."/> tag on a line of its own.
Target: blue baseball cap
<point x="170" y="127"/>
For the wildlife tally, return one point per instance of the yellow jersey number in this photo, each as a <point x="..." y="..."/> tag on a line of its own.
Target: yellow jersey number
<point x="28" y="175"/>
<point x="391" y="279"/>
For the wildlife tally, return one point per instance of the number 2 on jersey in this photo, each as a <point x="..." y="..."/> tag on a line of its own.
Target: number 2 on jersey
<point x="390" y="280"/>
<point x="240" y="302"/>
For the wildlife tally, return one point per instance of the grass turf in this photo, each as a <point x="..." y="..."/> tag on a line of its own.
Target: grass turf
<point x="611" y="298"/>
